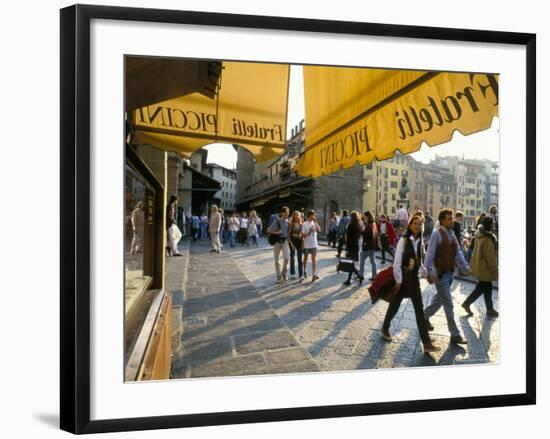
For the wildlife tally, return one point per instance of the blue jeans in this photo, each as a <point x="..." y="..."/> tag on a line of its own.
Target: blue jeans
<point x="233" y="238"/>
<point x="370" y="254"/>
<point x="204" y="226"/>
<point x="443" y="297"/>
<point x="297" y="252"/>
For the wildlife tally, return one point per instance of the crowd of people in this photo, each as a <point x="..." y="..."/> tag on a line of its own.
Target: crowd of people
<point x="418" y="246"/>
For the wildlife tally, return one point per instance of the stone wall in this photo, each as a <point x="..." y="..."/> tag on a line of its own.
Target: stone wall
<point x="341" y="190"/>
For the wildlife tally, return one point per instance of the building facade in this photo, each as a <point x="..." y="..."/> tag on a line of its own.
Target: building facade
<point x="226" y="197"/>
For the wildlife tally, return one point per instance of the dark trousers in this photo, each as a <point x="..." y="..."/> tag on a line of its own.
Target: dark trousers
<point x="341" y="242"/>
<point x="243" y="236"/>
<point x="385" y="243"/>
<point x="485" y="288"/>
<point x="332" y="239"/>
<point x="195" y="233"/>
<point x="416" y="299"/>
<point x="355" y="271"/>
<point x="296" y="252"/>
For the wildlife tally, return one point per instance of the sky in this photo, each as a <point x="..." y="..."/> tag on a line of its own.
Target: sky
<point x="481" y="145"/>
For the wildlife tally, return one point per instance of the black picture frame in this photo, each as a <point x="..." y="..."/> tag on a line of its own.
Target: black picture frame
<point x="75" y="217"/>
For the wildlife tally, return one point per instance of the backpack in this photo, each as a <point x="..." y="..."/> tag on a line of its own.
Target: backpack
<point x="271" y="237"/>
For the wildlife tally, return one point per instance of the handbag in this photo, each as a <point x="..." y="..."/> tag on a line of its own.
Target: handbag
<point x="345" y="265"/>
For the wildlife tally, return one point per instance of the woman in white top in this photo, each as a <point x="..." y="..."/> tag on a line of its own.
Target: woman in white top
<point x="310" y="229"/>
<point x="407" y="264"/>
<point x="252" y="229"/>
<point x="233" y="225"/>
<point x="244" y="230"/>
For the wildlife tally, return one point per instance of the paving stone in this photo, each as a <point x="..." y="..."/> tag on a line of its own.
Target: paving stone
<point x="287" y="356"/>
<point x="244" y="323"/>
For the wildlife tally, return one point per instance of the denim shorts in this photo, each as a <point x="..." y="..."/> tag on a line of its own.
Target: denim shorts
<point x="310" y="251"/>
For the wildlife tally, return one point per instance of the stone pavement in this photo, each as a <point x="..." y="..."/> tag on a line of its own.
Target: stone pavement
<point x="238" y="321"/>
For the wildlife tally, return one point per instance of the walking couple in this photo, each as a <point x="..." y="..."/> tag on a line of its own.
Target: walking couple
<point x="443" y="256"/>
<point x="295" y="239"/>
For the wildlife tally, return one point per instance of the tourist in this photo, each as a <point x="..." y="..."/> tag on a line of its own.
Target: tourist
<point x="406" y="266"/>
<point x="296" y="243"/>
<point x="443" y="255"/>
<point x="310" y="229"/>
<point x="342" y="226"/>
<point x="353" y="236"/>
<point x="387" y="237"/>
<point x="369" y="245"/>
<point x="484" y="266"/>
<point x="279" y="227"/>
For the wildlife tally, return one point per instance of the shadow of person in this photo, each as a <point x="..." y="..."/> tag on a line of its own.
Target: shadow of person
<point x="449" y="355"/>
<point x="486" y="331"/>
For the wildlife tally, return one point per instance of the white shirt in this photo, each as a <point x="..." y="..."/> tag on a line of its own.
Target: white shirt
<point x="402" y="214"/>
<point x="233" y="224"/>
<point x="398" y="259"/>
<point x="309" y="229"/>
<point x="383" y="228"/>
<point x="244" y="223"/>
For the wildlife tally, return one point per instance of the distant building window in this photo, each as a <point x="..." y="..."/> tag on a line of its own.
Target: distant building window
<point x="394" y="172"/>
<point x="393" y="184"/>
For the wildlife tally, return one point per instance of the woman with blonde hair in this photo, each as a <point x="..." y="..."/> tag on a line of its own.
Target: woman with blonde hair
<point x="252" y="228"/>
<point x="296" y="242"/>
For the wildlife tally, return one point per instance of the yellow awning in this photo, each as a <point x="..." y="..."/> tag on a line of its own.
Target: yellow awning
<point x="357" y="115"/>
<point x="249" y="110"/>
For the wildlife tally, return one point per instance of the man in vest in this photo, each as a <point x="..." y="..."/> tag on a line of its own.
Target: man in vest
<point x="443" y="255"/>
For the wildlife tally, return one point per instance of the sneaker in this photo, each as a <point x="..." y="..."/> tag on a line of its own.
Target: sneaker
<point x="314" y="278"/>
<point x="302" y="279"/>
<point x="492" y="313"/>
<point x="279" y="279"/>
<point x="284" y="277"/>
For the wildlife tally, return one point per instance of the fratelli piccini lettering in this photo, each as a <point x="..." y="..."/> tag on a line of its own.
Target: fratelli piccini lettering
<point x="416" y="120"/>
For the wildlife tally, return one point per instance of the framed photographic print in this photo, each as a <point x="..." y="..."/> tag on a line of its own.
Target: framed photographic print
<point x="285" y="218"/>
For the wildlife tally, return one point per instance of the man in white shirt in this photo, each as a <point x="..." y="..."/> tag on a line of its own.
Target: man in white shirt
<point x="310" y="229"/>
<point x="403" y="217"/>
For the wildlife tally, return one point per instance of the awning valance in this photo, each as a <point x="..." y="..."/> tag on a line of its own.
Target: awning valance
<point x="249" y="109"/>
<point x="356" y="115"/>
